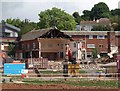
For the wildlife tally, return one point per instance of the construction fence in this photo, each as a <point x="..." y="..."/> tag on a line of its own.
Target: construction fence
<point x="40" y="63"/>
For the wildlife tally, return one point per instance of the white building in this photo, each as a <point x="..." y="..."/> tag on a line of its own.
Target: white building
<point x="8" y="34"/>
<point x="88" y="25"/>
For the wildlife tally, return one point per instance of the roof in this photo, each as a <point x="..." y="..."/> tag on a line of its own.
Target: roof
<point x="34" y="34"/>
<point x="100" y="21"/>
<point x="89" y="32"/>
<point x="10" y="26"/>
<point x="86" y="32"/>
<point x="13" y="27"/>
<point x="39" y="33"/>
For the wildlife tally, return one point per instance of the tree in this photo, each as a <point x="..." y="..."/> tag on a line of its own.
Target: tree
<point x="115" y="12"/>
<point x="94" y="53"/>
<point x="117" y="26"/>
<point x="14" y="22"/>
<point x="56" y="17"/>
<point x="77" y="17"/>
<point x="24" y="25"/>
<point x="100" y="10"/>
<point x="86" y="15"/>
<point x="101" y="28"/>
<point x="115" y="22"/>
<point x="11" y="49"/>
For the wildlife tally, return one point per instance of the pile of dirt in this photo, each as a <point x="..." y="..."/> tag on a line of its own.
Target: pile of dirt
<point x="21" y="86"/>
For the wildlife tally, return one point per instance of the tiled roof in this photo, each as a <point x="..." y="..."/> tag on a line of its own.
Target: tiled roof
<point x="39" y="33"/>
<point x="13" y="27"/>
<point x="10" y="26"/>
<point x="90" y="32"/>
<point x="86" y="32"/>
<point x="34" y="34"/>
<point x="100" y="21"/>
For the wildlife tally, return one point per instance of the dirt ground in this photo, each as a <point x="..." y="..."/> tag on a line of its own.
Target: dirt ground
<point x="61" y="87"/>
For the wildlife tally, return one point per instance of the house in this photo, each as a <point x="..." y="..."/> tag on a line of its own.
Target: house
<point x="104" y="41"/>
<point x="51" y="43"/>
<point x="8" y="34"/>
<point x="88" y="25"/>
<point x="47" y="43"/>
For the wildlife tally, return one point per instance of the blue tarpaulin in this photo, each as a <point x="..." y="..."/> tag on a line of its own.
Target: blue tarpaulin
<point x="13" y="68"/>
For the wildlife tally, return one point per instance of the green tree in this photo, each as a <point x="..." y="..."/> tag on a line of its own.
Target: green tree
<point x="115" y="12"/>
<point x="101" y="28"/>
<point x="100" y="10"/>
<point x="24" y="25"/>
<point x="14" y="22"/>
<point x="117" y="26"/>
<point x="56" y="17"/>
<point x="95" y="53"/>
<point x="77" y="17"/>
<point x="115" y="22"/>
<point x="11" y="49"/>
<point x="86" y="15"/>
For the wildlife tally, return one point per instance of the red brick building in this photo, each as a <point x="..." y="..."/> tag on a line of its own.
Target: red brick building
<point x="51" y="43"/>
<point x="104" y="41"/>
<point x="47" y="43"/>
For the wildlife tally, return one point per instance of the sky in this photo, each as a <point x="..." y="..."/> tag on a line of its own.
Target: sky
<point x="31" y="8"/>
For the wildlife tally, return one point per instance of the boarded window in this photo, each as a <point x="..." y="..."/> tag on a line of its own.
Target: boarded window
<point x="61" y="54"/>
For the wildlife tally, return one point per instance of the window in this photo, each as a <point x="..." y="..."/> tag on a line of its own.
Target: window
<point x="33" y="45"/>
<point x="90" y="36"/>
<point x="61" y="54"/>
<point x="74" y="54"/>
<point x="28" y="46"/>
<point x="90" y="45"/>
<point x="2" y="46"/>
<point x="22" y="46"/>
<point x="100" y="37"/>
<point x="100" y="45"/>
<point x="61" y="46"/>
<point x="89" y="54"/>
<point x="6" y="34"/>
<point x="74" y="44"/>
<point x="82" y="28"/>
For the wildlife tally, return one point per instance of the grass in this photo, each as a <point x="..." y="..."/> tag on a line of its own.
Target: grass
<point x="94" y="83"/>
<point x="58" y="72"/>
<point x="82" y="71"/>
<point x="82" y="82"/>
<point x="51" y="72"/>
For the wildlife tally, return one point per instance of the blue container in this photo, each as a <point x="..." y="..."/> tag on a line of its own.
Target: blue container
<point x="13" y="69"/>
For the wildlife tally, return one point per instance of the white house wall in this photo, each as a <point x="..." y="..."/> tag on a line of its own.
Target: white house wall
<point x="86" y="27"/>
<point x="12" y="33"/>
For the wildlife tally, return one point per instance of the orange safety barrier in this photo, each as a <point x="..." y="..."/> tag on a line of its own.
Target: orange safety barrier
<point x="16" y="62"/>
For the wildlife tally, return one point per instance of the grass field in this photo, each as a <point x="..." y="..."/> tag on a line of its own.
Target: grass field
<point x="77" y="82"/>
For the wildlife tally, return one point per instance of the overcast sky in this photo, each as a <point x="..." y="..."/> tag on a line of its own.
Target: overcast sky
<point x="31" y="8"/>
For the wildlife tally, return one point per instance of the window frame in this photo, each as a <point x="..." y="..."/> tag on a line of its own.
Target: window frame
<point x="90" y="36"/>
<point x="98" y="37"/>
<point x="89" y="45"/>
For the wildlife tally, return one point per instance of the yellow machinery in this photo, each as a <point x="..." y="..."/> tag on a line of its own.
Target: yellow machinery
<point x="73" y="70"/>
